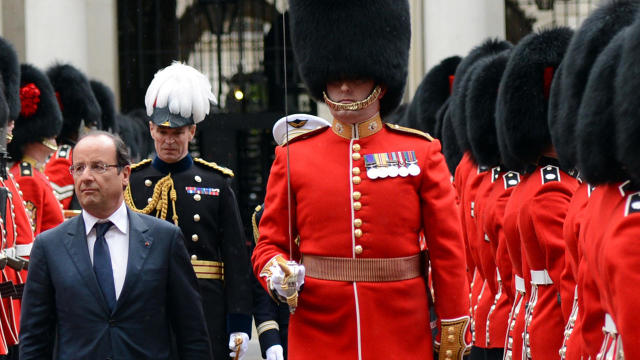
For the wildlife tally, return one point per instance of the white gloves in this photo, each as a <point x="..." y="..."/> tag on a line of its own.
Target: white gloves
<point x="286" y="279"/>
<point x="275" y="352"/>
<point x="235" y="339"/>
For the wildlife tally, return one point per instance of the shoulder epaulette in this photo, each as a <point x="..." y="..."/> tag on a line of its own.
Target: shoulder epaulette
<point x="26" y="169"/>
<point x="410" y="131"/>
<point x="64" y="151"/>
<point x="633" y="204"/>
<point x="550" y="173"/>
<point x="306" y="135"/>
<point x="511" y="179"/>
<point x="215" y="166"/>
<point x="254" y="223"/>
<point x="141" y="164"/>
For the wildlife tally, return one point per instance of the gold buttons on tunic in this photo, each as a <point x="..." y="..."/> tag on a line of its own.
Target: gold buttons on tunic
<point x="357" y="223"/>
<point x="194" y="257"/>
<point x="148" y="183"/>
<point x="197" y="197"/>
<point x="355" y="171"/>
<point x="196" y="217"/>
<point x="197" y="178"/>
<point x="358" y="249"/>
<point x="195" y="238"/>
<point x="356" y="156"/>
<point x="356" y="195"/>
<point x="357" y="180"/>
<point x="356" y="147"/>
<point x="452" y="330"/>
<point x="451" y="338"/>
<point x="357" y="233"/>
<point x="357" y="205"/>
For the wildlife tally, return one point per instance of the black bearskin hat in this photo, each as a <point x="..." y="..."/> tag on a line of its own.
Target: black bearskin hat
<point x="335" y="39"/>
<point x="77" y="101"/>
<point x="450" y="149"/>
<point x="484" y="78"/>
<point x="106" y="99"/>
<point x="461" y="82"/>
<point x="40" y="116"/>
<point x="587" y="43"/>
<point x="432" y="92"/>
<point x="627" y="84"/>
<point x="523" y="97"/>
<point x="10" y="72"/>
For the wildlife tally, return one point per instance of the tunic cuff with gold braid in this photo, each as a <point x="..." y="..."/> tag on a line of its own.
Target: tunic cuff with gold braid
<point x="453" y="343"/>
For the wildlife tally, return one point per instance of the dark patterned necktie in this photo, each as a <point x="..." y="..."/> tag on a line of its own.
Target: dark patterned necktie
<point x="102" y="264"/>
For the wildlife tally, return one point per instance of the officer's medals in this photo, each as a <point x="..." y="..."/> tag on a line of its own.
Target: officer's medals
<point x="410" y="157"/>
<point x="403" y="170"/>
<point x="392" y="164"/>
<point x="383" y="170"/>
<point x="370" y="165"/>
<point x="392" y="160"/>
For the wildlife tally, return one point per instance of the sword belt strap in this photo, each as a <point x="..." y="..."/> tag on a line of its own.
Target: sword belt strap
<point x="363" y="269"/>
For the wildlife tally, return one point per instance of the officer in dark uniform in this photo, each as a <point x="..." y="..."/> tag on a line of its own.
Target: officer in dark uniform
<point x="196" y="195"/>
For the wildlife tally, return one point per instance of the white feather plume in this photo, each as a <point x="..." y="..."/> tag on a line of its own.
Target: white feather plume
<point x="183" y="90"/>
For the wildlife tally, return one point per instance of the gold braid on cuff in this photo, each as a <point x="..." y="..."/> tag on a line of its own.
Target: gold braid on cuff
<point x="354" y="106"/>
<point x="452" y="339"/>
<point x="162" y="192"/>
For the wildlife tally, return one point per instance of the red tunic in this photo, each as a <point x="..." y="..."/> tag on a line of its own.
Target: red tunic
<point x="43" y="208"/>
<point x="618" y="262"/>
<point x="491" y="211"/>
<point x="597" y="213"/>
<point x="571" y="232"/>
<point x="465" y="167"/>
<point x="540" y="224"/>
<point x="57" y="170"/>
<point x="520" y="267"/>
<point x="360" y="320"/>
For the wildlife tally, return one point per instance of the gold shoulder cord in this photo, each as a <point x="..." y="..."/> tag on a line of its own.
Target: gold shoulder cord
<point x="163" y="190"/>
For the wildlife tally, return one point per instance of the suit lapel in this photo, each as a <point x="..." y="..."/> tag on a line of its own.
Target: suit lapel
<point x="139" y="244"/>
<point x="76" y="244"/>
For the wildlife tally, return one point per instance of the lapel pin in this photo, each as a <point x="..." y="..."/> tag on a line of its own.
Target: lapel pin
<point x="147" y="244"/>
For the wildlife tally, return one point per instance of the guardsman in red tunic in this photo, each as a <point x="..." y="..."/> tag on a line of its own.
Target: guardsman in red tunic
<point x="80" y="112"/>
<point x="33" y="141"/>
<point x="467" y="180"/>
<point x="359" y="222"/>
<point x="599" y="165"/>
<point x="615" y="254"/>
<point x="523" y="133"/>
<point x="588" y="42"/>
<point x="493" y="306"/>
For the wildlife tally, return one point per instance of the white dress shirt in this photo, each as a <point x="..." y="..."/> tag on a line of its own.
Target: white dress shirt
<point x="117" y="238"/>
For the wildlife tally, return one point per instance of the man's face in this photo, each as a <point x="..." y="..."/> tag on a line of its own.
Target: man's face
<point x="172" y="144"/>
<point x="350" y="91"/>
<point x="100" y="194"/>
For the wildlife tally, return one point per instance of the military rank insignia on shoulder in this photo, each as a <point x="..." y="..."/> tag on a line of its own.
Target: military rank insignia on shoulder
<point x="64" y="151"/>
<point x="141" y="164"/>
<point x="511" y="179"/>
<point x="550" y="173"/>
<point x="301" y="135"/>
<point x="495" y="173"/>
<point x="214" y="166"/>
<point x="26" y="169"/>
<point x="633" y="204"/>
<point x="409" y="131"/>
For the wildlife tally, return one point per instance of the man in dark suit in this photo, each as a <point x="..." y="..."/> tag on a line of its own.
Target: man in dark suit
<point x="107" y="284"/>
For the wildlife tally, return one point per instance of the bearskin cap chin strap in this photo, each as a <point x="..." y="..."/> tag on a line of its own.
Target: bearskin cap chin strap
<point x="356" y="105"/>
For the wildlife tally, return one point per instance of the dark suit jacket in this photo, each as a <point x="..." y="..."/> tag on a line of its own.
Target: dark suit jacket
<point x="62" y="298"/>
